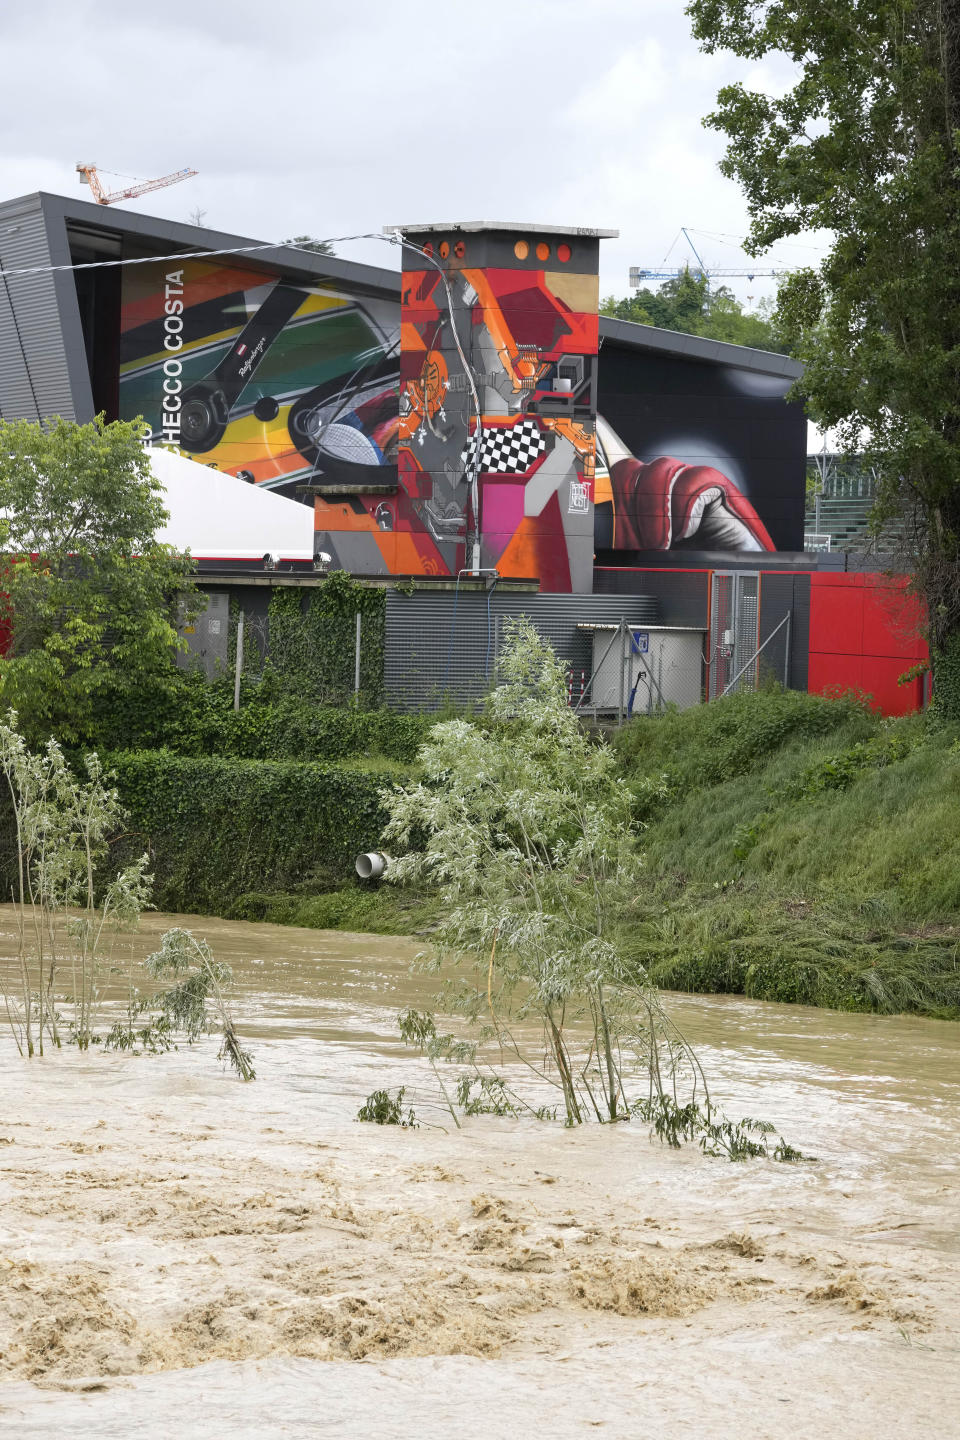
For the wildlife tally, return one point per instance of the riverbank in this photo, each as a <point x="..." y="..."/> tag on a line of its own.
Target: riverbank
<point x="176" y="1244"/>
<point x="798" y="849"/>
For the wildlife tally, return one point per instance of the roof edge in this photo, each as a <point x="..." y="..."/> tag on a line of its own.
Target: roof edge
<point x="698" y="347"/>
<point x="472" y="227"/>
<point x="62" y="208"/>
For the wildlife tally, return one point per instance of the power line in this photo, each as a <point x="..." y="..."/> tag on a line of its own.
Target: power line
<point x="207" y="254"/>
<point x="23" y="353"/>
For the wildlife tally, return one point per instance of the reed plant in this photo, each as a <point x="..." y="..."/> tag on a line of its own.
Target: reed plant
<point x="66" y="915"/>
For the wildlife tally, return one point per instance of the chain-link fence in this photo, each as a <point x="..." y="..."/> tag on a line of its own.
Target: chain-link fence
<point x="292" y="641"/>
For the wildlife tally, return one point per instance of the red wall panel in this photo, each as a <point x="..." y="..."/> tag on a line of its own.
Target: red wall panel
<point x="863" y="635"/>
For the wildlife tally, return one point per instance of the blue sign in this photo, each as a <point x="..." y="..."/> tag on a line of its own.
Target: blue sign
<point x="641" y="641"/>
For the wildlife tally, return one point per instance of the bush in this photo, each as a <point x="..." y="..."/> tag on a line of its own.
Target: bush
<point x="189" y="716"/>
<point x="708" y="744"/>
<point x="216" y="828"/>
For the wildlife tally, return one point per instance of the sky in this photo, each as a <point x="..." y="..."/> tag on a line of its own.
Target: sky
<point x="336" y="119"/>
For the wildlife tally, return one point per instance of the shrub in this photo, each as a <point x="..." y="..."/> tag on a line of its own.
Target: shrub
<point x="185" y="714"/>
<point x="217" y="828"/>
<point x="708" y="744"/>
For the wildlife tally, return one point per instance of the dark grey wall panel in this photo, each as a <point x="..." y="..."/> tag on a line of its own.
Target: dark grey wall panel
<point x="35" y="379"/>
<point x="781" y="594"/>
<point x="684" y="595"/>
<point x="443" y="646"/>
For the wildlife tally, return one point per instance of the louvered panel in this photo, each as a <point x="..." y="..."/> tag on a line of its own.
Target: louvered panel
<point x="442" y="647"/>
<point x="34" y="379"/>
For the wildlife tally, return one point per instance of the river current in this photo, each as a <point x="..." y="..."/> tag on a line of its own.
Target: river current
<point x="181" y="1253"/>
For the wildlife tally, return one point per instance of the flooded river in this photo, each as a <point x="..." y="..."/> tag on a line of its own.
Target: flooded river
<point x="184" y="1254"/>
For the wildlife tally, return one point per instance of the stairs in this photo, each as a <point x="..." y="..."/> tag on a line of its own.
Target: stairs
<point x="846" y="521"/>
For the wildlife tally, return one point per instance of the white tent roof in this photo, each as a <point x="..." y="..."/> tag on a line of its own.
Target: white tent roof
<point x="217" y="517"/>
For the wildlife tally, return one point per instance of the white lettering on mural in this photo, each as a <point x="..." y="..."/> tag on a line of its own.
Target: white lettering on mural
<point x="172" y="340"/>
<point x="252" y="356"/>
<point x="579" y="502"/>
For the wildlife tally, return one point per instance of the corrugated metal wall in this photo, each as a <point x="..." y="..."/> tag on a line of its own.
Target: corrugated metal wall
<point x="34" y="380"/>
<point x="442" y="647"/>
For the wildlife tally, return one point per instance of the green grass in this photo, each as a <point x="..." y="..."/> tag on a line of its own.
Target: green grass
<point x="797" y="849"/>
<point x="376" y="909"/>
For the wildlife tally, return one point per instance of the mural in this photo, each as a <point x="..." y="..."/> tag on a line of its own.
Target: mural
<point x="516" y="491"/>
<point x="371" y="416"/>
<point x="665" y="503"/>
<point x="280" y="384"/>
<point x="696" y="456"/>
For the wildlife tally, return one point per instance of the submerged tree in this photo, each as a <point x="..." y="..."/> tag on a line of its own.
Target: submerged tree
<point x="66" y="911"/>
<point x="200" y="981"/>
<point x="69" y="910"/>
<point x="865" y="144"/>
<point x="524" y="827"/>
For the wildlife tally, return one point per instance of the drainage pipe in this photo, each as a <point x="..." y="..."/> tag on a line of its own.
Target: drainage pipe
<point x="371" y="864"/>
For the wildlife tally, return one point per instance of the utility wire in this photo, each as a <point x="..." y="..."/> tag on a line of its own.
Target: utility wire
<point x="207" y="254"/>
<point x="23" y="353"/>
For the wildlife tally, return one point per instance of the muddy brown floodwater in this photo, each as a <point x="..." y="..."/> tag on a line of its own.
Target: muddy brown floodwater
<point x="183" y="1254"/>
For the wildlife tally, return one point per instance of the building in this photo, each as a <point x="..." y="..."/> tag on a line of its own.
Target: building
<point x="608" y="459"/>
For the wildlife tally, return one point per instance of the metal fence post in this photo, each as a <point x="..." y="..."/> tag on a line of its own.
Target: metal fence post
<point x="623" y="668"/>
<point x="356" y="660"/>
<point x="239" y="667"/>
<point x="786" y="655"/>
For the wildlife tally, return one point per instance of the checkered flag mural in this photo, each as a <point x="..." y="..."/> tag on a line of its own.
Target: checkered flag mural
<point x="506" y="451"/>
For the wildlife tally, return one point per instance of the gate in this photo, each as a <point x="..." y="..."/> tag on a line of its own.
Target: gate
<point x="734" y="632"/>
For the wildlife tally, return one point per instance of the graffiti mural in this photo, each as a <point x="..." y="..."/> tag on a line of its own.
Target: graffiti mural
<point x="665" y="503"/>
<point x="370" y="414"/>
<point x="506" y="327"/>
<point x="278" y="383"/>
<point x="696" y="455"/>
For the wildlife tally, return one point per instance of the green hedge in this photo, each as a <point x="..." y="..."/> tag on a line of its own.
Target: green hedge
<point x="216" y="829"/>
<point x="191" y="717"/>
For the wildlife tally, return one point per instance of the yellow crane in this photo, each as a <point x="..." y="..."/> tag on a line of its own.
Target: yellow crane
<point x="88" y="176"/>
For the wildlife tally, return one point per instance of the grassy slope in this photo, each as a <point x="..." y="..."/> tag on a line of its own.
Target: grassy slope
<point x="797" y="849"/>
<point x="807" y="851"/>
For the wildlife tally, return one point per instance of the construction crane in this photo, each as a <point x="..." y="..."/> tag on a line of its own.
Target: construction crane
<point x="88" y="176"/>
<point x="637" y="276"/>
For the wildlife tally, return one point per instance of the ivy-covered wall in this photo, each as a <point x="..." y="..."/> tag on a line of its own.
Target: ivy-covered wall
<point x="305" y="645"/>
<point x="216" y="829"/>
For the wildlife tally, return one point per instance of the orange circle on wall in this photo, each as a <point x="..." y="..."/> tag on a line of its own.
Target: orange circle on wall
<point x="444" y="249"/>
<point x="459" y="249"/>
<point x="428" y="250"/>
<point x="563" y="253"/>
<point x="521" y="249"/>
<point x="543" y="251"/>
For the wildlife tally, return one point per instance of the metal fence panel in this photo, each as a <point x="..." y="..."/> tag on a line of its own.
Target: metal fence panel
<point x="442" y="646"/>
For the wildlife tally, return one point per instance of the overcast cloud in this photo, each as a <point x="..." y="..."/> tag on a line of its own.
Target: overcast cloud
<point x="330" y="119"/>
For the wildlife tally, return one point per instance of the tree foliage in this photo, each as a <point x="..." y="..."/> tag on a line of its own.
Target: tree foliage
<point x="90" y="595"/>
<point x="687" y="302"/>
<point x="525" y="829"/>
<point x="864" y="144"/>
<point x="307" y="242"/>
